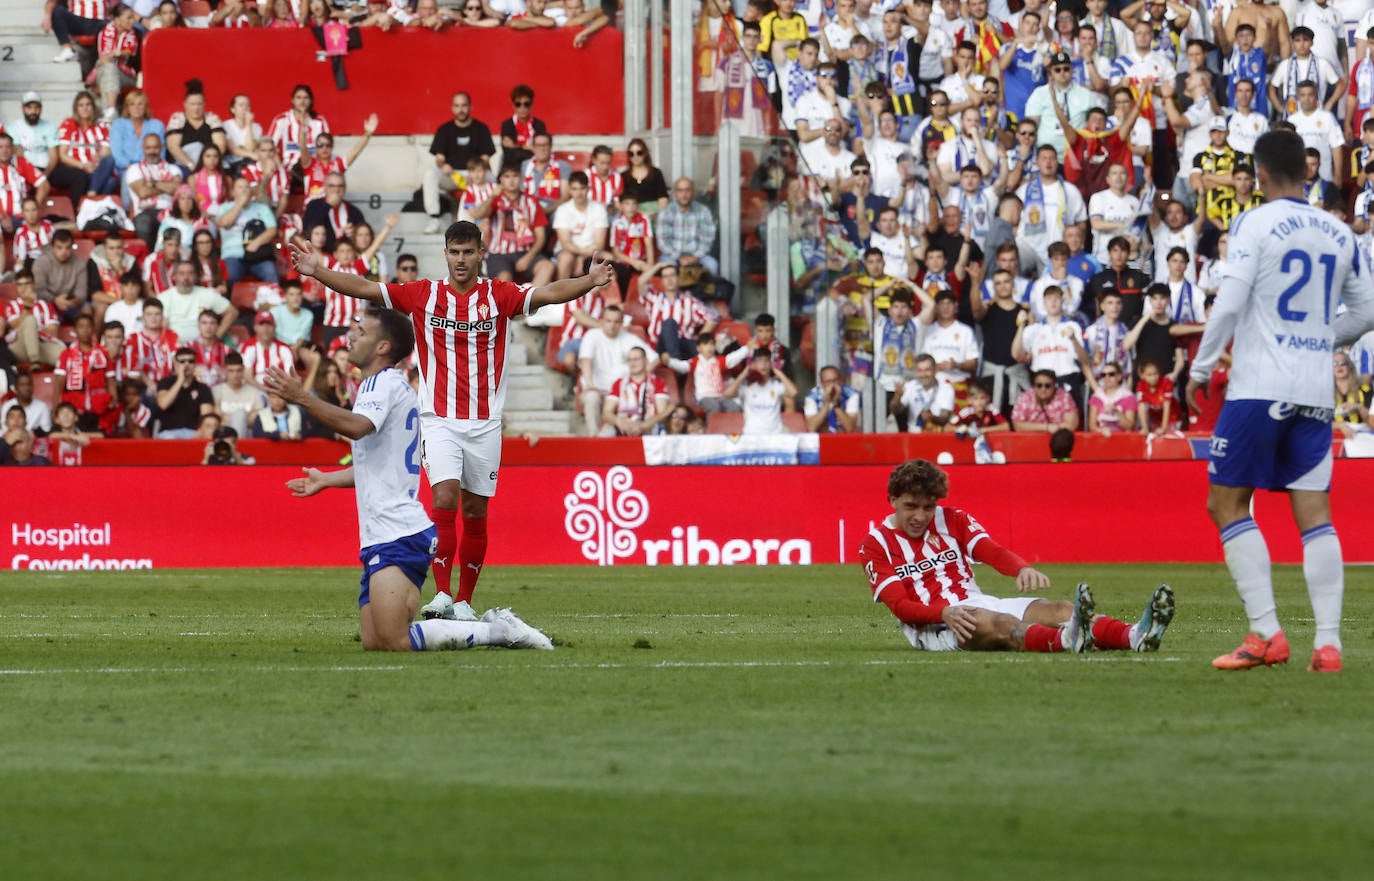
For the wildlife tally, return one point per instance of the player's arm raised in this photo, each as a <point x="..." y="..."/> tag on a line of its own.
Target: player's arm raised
<point x="308" y="264"/>
<point x="347" y="423"/>
<point x="568" y="289"/>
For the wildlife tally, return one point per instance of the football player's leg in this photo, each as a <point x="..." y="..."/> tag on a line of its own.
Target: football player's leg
<point x="998" y="631"/>
<point x="1322" y="564"/>
<point x="445" y="516"/>
<point x="385" y="619"/>
<point x="472" y="550"/>
<point x="1247" y="555"/>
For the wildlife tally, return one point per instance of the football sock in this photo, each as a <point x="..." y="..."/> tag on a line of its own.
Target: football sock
<point x="440" y="635"/>
<point x="1247" y="556"/>
<point x="443" y="554"/>
<point x="1042" y="638"/>
<point x="1324" y="571"/>
<point x="472" y="550"/>
<point x="1110" y="633"/>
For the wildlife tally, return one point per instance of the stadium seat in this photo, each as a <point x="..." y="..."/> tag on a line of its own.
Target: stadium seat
<point x="8" y="291"/>
<point x="66" y="334"/>
<point x="45" y="387"/>
<point x="244" y="295"/>
<point x="738" y="331"/>
<point x="83" y="248"/>
<point x="634" y="306"/>
<point x="806" y="348"/>
<point x="578" y="160"/>
<point x="638" y="331"/>
<point x="136" y="248"/>
<point x="240" y="335"/>
<point x="60" y="205"/>
<point x="620" y="160"/>
<point x="725" y="423"/>
<point x="689" y="396"/>
<point x="669" y="383"/>
<point x="794" y="422"/>
<point x="295" y="203"/>
<point x="611" y="294"/>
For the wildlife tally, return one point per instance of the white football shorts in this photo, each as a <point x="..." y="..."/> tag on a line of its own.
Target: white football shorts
<point x="939" y="638"/>
<point x="465" y="450"/>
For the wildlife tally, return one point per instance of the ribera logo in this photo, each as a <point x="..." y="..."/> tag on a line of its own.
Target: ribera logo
<point x="605" y="512"/>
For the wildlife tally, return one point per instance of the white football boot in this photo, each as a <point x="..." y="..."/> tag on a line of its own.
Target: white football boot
<point x="520" y="635"/>
<point x="442" y="607"/>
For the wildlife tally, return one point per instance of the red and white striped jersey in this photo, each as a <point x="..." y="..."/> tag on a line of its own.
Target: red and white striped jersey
<point x="92" y="9"/>
<point x="150" y="357"/>
<point x="340" y="308"/>
<point x="313" y="175"/>
<point x="17" y="180"/>
<point x="157" y="272"/>
<point x="158" y="172"/>
<point x="112" y="41"/>
<point x="141" y="417"/>
<point x="258" y="357"/>
<point x="513" y="223"/>
<point x="689" y="313"/>
<point x="83" y="377"/>
<point x="545" y="185"/>
<point x="936" y="568"/>
<point x="44" y="315"/>
<point x="210" y="361"/>
<point x="592" y="303"/>
<point x="605" y="191"/>
<point x="636" y="399"/>
<point x="83" y="141"/>
<point x="278" y="182"/>
<point x="460" y="342"/>
<point x="30" y="240"/>
<point x="631" y="235"/>
<point x="286" y="132"/>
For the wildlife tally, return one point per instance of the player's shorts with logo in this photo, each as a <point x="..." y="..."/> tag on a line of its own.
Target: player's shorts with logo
<point x="465" y="450"/>
<point x="939" y="638"/>
<point x="412" y="554"/>
<point x="1271" y="445"/>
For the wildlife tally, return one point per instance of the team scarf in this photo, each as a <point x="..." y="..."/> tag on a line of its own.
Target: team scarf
<point x="1291" y="94"/>
<point x="990" y="40"/>
<point x="895" y="341"/>
<point x="1247" y="66"/>
<point x="710" y="50"/>
<point x="861" y="73"/>
<point x="1364" y="81"/>
<point x="799" y="81"/>
<point x="973" y="209"/>
<point x="1108" y="39"/>
<point x="900" y="79"/>
<point x="1183" y="309"/>
<point x="1035" y="205"/>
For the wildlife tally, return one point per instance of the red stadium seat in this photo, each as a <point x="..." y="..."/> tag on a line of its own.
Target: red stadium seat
<point x="45" y="387"/>
<point x="620" y="160"/>
<point x="669" y="383"/>
<point x="196" y="9"/>
<point x="83" y="248"/>
<point x="66" y="334"/>
<point x="634" y="306"/>
<point x="725" y="423"/>
<point x="578" y="160"/>
<point x="136" y="248"/>
<point x="244" y="295"/>
<point x="738" y="330"/>
<point x="794" y="422"/>
<point x="60" y="205"/>
<point x="807" y="346"/>
<point x="241" y="335"/>
<point x="611" y="293"/>
<point x="295" y="203"/>
<point x="8" y="291"/>
<point x="551" y="350"/>
<point x="641" y="332"/>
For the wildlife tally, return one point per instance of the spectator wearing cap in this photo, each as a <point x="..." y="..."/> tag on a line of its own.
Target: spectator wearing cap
<point x="1211" y="179"/>
<point x="36" y="136"/>
<point x="1301" y="67"/>
<point x="265" y="350"/>
<point x="1075" y="99"/>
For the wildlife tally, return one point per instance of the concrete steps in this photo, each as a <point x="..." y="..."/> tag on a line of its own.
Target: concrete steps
<point x="26" y="63"/>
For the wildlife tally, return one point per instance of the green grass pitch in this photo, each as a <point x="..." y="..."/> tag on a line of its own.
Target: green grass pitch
<point x="694" y="724"/>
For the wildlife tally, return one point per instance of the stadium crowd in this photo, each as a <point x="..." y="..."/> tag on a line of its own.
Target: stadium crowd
<point x="1016" y="219"/>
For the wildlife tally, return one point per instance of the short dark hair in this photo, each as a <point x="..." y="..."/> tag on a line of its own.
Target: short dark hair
<point x="1046" y="373"/>
<point x="706" y="337"/>
<point x="111" y="325"/>
<point x="1158" y="289"/>
<point x="579" y="177"/>
<point x="869" y="252"/>
<point x="1119" y="242"/>
<point x="765" y="319"/>
<point x="396" y="329"/>
<point x="978" y="385"/>
<point x="184" y="350"/>
<point x="522" y="91"/>
<point x="462" y="232"/>
<point x="1057" y="249"/>
<point x="132" y="277"/>
<point x="603" y="150"/>
<point x="754" y="26"/>
<point x="63" y="235"/>
<point x="233" y="359"/>
<point x="918" y="477"/>
<point x="1282" y="155"/>
<point x="153" y="303"/>
<point x="1177" y="250"/>
<point x="205" y="312"/>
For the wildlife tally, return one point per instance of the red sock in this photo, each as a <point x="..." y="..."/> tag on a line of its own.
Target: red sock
<point x="1040" y="638"/>
<point x="472" y="550"/>
<point x="443" y="554"/>
<point x="1110" y="633"/>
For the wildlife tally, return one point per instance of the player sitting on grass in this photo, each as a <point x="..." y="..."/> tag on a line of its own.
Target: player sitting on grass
<point x="919" y="564"/>
<point x="398" y="540"/>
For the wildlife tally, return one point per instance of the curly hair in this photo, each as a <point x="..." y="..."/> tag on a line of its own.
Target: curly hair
<point x="918" y="477"/>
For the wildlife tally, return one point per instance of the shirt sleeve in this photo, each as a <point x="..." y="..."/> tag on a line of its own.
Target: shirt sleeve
<point x="894" y="590"/>
<point x="375" y="399"/>
<point x="512" y="298"/>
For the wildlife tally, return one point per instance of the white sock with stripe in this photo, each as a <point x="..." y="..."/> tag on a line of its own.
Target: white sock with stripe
<point x="1324" y="571"/>
<point x="1247" y="556"/>
<point x="440" y="635"/>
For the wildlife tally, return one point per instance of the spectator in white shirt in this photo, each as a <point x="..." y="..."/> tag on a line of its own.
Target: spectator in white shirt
<point x="582" y="227"/>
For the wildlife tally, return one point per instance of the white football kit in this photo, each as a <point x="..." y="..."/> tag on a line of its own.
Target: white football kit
<point x="1289" y="265"/>
<point x="386" y="463"/>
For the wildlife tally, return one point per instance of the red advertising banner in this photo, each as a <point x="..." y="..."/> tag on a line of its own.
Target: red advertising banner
<point x="140" y="518"/>
<point x="405" y="75"/>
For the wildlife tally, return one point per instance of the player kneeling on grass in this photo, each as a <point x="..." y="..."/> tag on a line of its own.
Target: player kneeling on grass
<point x="398" y="538"/>
<point x="919" y="564"/>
